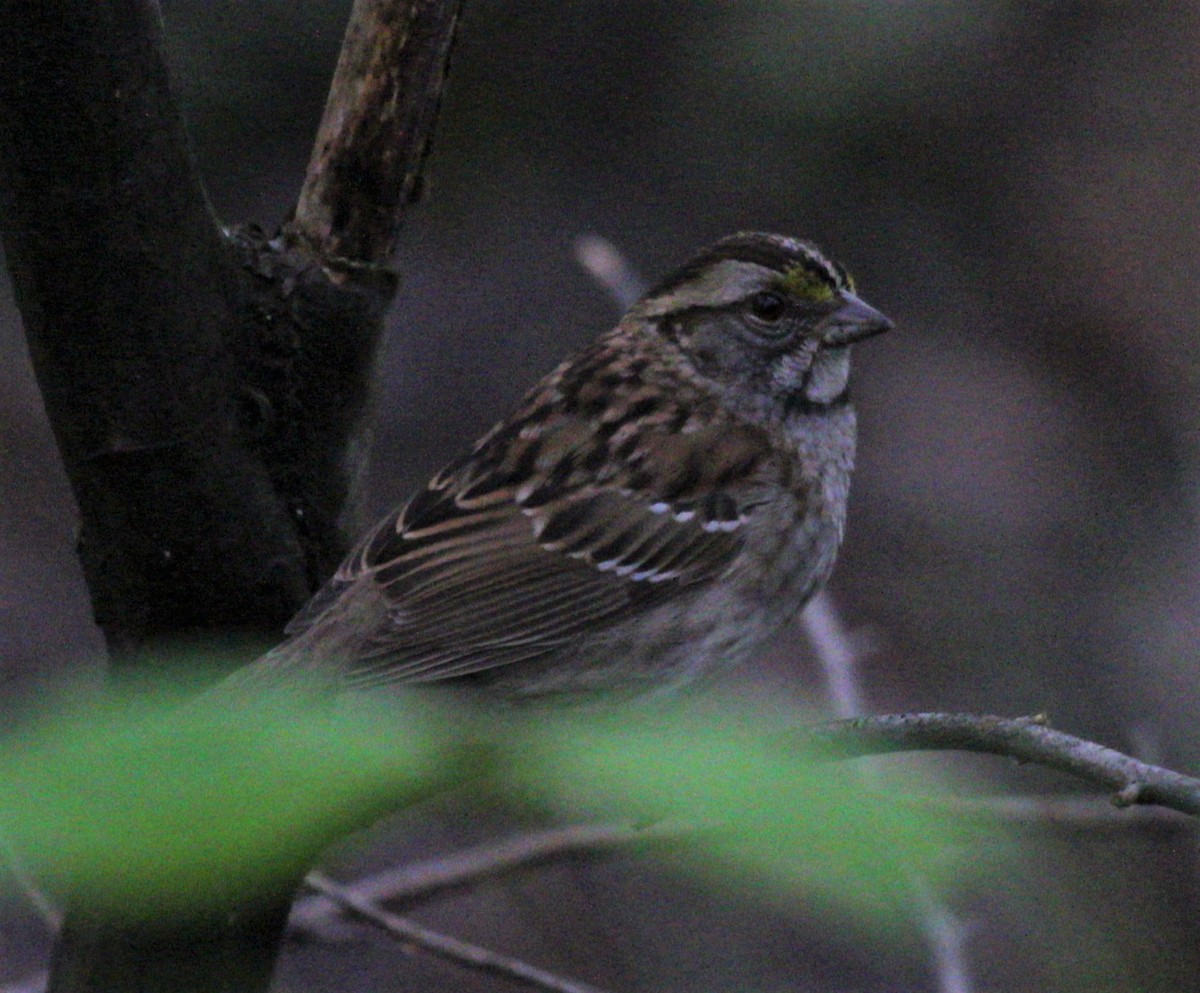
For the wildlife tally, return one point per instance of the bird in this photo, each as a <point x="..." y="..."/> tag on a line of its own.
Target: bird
<point x="656" y="508"/>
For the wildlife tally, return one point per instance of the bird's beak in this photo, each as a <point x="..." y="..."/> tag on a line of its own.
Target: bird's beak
<point x="853" y="321"/>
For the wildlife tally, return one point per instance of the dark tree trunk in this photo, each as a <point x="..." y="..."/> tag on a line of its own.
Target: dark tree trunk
<point x="209" y="391"/>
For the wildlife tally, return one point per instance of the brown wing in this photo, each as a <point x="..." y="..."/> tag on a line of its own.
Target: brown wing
<point x="552" y="528"/>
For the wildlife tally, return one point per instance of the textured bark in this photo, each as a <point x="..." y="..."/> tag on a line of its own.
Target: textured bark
<point x="374" y="134"/>
<point x="209" y="392"/>
<point x="125" y="287"/>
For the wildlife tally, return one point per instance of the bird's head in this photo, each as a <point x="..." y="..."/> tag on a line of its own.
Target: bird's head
<point x="769" y="319"/>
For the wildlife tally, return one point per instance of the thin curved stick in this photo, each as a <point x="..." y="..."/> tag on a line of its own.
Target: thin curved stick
<point x="1026" y="739"/>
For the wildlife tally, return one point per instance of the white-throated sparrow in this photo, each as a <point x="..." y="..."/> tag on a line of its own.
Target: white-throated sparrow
<point x="660" y="503"/>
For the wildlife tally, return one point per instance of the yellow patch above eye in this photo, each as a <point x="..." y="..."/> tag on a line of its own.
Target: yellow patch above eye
<point x="802" y="282"/>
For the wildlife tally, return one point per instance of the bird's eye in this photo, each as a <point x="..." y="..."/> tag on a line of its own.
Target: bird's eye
<point x="767" y="306"/>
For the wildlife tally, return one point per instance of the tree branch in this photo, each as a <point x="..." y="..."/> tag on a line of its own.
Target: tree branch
<point x="375" y="133"/>
<point x="1024" y="739"/>
<point x="49" y="913"/>
<point x="209" y="391"/>
<point x="946" y="934"/>
<point x="121" y="272"/>
<point x="311" y="914"/>
<point x="1067" y="813"/>
<point x="609" y="267"/>
<point x="443" y="946"/>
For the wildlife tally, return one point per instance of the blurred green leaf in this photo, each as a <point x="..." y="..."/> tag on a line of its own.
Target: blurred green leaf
<point x="142" y="803"/>
<point x="777" y="822"/>
<point x="139" y="800"/>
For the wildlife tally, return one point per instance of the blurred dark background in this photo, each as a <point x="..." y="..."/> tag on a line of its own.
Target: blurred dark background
<point x="1015" y="184"/>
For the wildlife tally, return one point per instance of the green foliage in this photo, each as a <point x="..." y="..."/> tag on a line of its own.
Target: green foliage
<point x="142" y="804"/>
<point x="139" y="800"/>
<point x="773" y="821"/>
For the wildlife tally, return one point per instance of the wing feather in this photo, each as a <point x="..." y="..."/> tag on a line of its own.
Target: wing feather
<point x="553" y="528"/>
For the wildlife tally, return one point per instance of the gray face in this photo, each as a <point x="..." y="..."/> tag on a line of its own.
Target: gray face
<point x="778" y="341"/>
<point x="769" y="361"/>
<point x="730" y="347"/>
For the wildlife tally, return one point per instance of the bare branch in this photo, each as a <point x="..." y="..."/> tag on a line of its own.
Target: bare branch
<point x="424" y="879"/>
<point x="1024" y="739"/>
<point x="837" y="654"/>
<point x="376" y="131"/>
<point x="209" y="390"/>
<point x="607" y="265"/>
<point x="443" y="946"/>
<point x="944" y="931"/>
<point x="1068" y="813"/>
<point x="312" y="916"/>
<point x="50" y="914"/>
<point x="34" y="983"/>
<point x="947" y="936"/>
<point x="120" y="272"/>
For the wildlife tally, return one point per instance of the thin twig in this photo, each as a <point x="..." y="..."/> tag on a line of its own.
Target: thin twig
<point x="947" y="935"/>
<point x="607" y="265"/>
<point x="33" y="983"/>
<point x="443" y="946"/>
<point x="1071" y="813"/>
<point x="51" y="916"/>
<point x="836" y="653"/>
<point x="1025" y="739"/>
<point x="945" y="932"/>
<point x="311" y="914"/>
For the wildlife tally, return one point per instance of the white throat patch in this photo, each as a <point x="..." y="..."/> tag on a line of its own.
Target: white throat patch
<point x="829" y="375"/>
